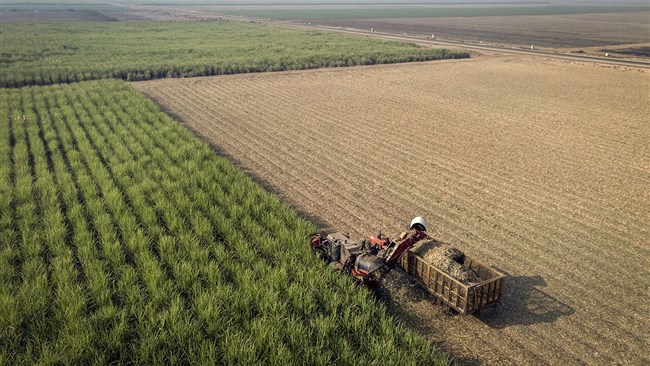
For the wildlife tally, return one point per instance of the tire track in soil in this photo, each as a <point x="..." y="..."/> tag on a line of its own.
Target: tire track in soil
<point x="271" y="133"/>
<point x="443" y="181"/>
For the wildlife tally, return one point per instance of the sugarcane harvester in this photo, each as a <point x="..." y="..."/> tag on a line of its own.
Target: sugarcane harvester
<point x="371" y="259"/>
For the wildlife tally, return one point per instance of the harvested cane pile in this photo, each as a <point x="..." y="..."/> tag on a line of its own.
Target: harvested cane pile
<point x="446" y="258"/>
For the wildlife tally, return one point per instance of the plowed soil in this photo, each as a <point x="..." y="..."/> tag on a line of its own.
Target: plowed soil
<point x="538" y="167"/>
<point x="557" y="31"/>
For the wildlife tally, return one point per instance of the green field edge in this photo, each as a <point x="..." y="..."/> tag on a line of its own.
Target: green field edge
<point x="47" y="54"/>
<point x="44" y="79"/>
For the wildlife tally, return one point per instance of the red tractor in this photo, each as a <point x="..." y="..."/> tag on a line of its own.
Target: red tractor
<point x="372" y="258"/>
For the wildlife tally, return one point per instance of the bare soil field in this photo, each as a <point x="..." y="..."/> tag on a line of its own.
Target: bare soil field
<point x="538" y="167"/>
<point x="558" y="31"/>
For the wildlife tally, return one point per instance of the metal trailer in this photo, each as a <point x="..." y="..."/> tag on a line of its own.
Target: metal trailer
<point x="465" y="299"/>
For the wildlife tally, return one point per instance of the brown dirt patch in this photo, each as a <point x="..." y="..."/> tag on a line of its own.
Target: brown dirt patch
<point x="539" y="167"/>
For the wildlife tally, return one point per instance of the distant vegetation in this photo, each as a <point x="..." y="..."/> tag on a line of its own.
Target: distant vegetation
<point x="125" y="239"/>
<point x="425" y="12"/>
<point x="42" y="54"/>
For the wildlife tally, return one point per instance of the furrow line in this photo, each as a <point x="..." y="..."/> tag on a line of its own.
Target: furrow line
<point x="412" y="157"/>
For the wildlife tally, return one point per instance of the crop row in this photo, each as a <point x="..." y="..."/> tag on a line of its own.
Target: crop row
<point x="126" y="239"/>
<point x="44" y="54"/>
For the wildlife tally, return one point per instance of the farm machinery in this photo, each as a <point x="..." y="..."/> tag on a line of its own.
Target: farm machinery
<point x="371" y="259"/>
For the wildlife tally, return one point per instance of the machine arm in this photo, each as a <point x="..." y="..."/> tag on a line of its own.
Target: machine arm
<point x="404" y="245"/>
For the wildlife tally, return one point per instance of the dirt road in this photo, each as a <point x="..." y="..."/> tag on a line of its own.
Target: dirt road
<point x="539" y="167"/>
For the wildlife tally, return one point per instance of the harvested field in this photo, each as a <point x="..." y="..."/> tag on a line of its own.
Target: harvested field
<point x="565" y="30"/>
<point x="539" y="167"/>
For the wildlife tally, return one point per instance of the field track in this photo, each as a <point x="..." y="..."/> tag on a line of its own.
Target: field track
<point x="539" y="167"/>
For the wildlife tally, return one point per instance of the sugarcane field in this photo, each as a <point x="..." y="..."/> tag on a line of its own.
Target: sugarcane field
<point x="324" y="183"/>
